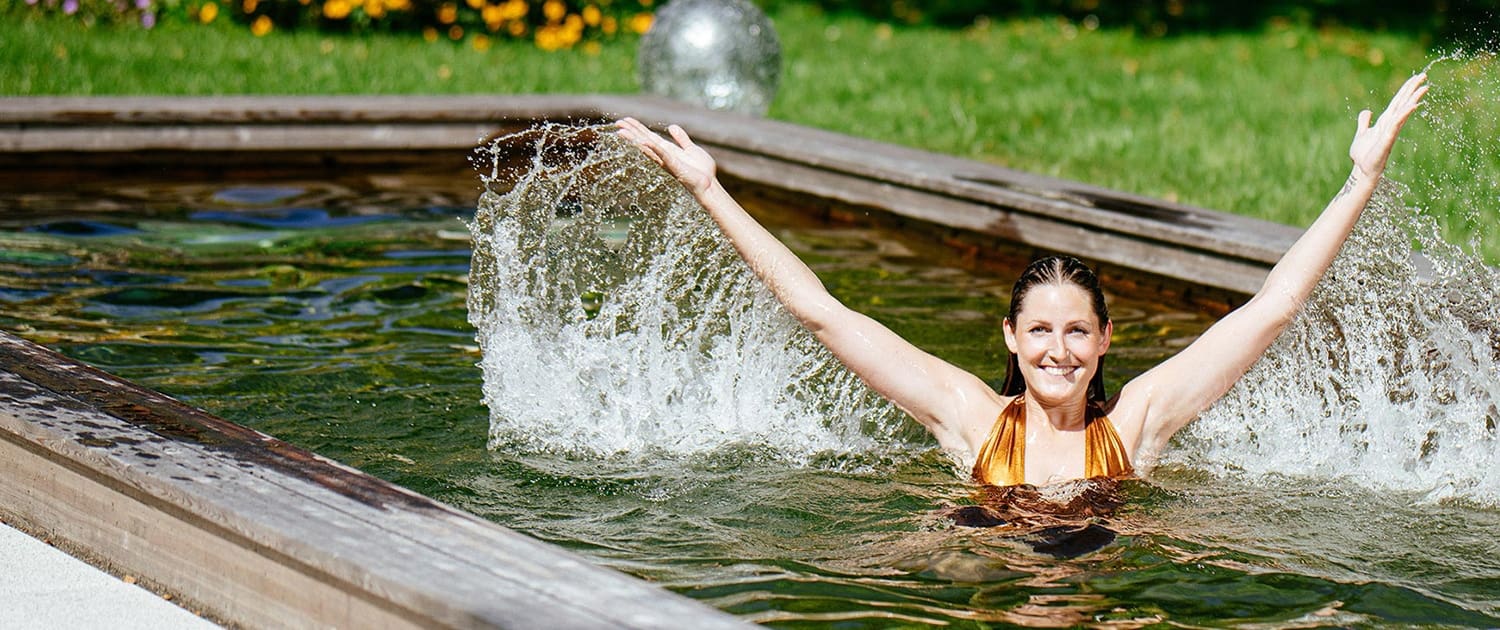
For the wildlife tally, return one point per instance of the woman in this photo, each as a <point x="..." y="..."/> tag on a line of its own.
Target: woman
<point x="1050" y="423"/>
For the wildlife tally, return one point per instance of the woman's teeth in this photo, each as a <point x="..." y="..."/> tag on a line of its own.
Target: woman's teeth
<point x="1058" y="370"/>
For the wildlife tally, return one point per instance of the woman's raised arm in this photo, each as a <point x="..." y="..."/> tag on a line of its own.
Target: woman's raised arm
<point x="934" y="392"/>
<point x="1176" y="391"/>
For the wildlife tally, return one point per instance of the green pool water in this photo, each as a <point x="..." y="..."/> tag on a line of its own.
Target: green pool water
<point x="331" y="313"/>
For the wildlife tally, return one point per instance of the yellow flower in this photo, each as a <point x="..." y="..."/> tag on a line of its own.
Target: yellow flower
<point x="573" y="23"/>
<point x="261" y="26"/>
<point x="554" y="10"/>
<point x="455" y="32"/>
<point x="609" y="25"/>
<point x="591" y="48"/>
<point x="516" y="29"/>
<point x="448" y="13"/>
<point x="515" y="9"/>
<point x="475" y="4"/>
<point x="375" y="9"/>
<point x="492" y="15"/>
<point x="591" y="15"/>
<point x="398" y="5"/>
<point x="547" y="38"/>
<point x="429" y="34"/>
<point x="336" y="9"/>
<point x="250" y="5"/>
<point x="481" y="42"/>
<point x="208" y="12"/>
<point x="641" y="22"/>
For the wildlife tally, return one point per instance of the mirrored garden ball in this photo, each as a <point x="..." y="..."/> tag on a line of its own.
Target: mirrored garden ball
<point x="721" y="54"/>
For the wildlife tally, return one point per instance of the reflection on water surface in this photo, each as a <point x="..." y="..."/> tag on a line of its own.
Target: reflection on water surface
<point x="332" y="314"/>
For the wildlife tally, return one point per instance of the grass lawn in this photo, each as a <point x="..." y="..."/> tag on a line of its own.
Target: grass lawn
<point x="1255" y="122"/>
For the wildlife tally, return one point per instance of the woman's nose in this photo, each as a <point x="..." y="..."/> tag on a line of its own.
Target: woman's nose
<point x="1056" y="349"/>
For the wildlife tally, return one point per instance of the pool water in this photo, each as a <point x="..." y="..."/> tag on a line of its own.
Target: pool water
<point x="332" y="314"/>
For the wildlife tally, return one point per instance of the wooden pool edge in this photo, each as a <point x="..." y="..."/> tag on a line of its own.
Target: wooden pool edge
<point x="1208" y="257"/>
<point x="261" y="533"/>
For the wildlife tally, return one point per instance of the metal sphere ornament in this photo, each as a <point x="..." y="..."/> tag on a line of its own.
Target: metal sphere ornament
<point x="721" y="54"/>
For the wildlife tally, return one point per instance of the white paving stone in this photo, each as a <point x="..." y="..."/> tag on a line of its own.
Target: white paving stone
<point x="42" y="587"/>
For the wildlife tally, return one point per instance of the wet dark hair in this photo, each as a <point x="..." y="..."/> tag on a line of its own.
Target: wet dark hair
<point x="1061" y="271"/>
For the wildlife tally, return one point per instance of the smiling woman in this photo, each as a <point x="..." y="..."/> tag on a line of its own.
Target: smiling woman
<point x="1057" y="333"/>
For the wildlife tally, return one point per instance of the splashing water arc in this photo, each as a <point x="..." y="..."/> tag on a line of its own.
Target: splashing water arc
<point x="1388" y="378"/>
<point x="614" y="318"/>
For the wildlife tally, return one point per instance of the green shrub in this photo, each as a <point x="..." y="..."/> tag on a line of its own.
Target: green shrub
<point x="551" y="24"/>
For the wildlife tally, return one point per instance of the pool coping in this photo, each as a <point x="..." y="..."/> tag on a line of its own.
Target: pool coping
<point x="261" y="533"/>
<point x="1194" y="247"/>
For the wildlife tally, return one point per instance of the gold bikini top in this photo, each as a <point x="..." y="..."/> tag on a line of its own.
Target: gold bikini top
<point x="1002" y="459"/>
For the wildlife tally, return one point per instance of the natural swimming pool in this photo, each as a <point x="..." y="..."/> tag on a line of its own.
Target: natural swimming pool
<point x="331" y="313"/>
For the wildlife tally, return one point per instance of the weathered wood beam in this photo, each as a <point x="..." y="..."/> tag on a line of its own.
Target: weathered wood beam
<point x="264" y="534"/>
<point x="1225" y="252"/>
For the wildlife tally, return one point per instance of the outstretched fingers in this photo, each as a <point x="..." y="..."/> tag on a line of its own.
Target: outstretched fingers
<point x="650" y="143"/>
<point x="681" y="137"/>
<point x="1406" y="101"/>
<point x="1372" y="143"/>
<point x="687" y="162"/>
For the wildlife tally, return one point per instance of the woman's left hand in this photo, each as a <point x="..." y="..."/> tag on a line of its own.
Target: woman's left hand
<point x="686" y="161"/>
<point x="1372" y="144"/>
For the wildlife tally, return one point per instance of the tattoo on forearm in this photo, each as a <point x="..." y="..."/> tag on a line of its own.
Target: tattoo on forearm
<point x="1348" y="185"/>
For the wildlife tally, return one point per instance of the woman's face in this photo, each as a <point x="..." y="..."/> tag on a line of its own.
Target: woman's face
<point x="1058" y="341"/>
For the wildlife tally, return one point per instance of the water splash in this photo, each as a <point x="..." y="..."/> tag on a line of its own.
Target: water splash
<point x="614" y="318"/>
<point x="1389" y="378"/>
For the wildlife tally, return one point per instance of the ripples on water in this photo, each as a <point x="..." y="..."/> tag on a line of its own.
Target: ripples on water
<point x="332" y="314"/>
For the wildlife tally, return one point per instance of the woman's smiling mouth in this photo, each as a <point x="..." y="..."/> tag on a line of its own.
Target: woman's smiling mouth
<point x="1060" y="370"/>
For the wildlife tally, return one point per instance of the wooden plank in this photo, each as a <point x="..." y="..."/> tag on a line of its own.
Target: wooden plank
<point x="1227" y="252"/>
<point x="185" y="138"/>
<point x="268" y="535"/>
<point x="1156" y="254"/>
<point x="1056" y="198"/>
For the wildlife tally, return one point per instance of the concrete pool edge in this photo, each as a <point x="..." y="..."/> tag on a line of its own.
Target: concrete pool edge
<point x="264" y="534"/>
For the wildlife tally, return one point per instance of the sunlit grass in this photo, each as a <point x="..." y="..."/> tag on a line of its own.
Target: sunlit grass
<point x="1256" y="123"/>
<point x="56" y="56"/>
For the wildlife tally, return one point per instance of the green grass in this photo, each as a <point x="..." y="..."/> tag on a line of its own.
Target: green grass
<point x="58" y="56"/>
<point x="1256" y="123"/>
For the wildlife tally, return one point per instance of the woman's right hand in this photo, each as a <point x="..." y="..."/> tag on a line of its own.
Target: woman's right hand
<point x="686" y="161"/>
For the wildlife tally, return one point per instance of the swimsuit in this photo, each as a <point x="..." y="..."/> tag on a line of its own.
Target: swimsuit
<point x="1002" y="459"/>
